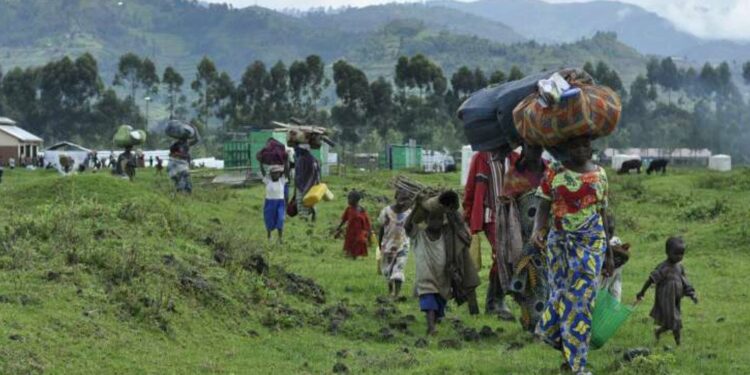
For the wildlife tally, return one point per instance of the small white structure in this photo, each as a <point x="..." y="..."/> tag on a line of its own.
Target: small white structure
<point x="721" y="163"/>
<point x="618" y="159"/>
<point x="79" y="154"/>
<point x="466" y="154"/>
<point x="436" y="161"/>
<point x="211" y="163"/>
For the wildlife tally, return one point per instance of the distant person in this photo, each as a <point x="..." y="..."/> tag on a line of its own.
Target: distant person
<point x="150" y="161"/>
<point x="274" y="210"/>
<point x="306" y="175"/>
<point x="12" y="163"/>
<point x="179" y="163"/>
<point x="113" y="163"/>
<point x="358" y="228"/>
<point x="159" y="166"/>
<point x="126" y="164"/>
<point x="1" y="170"/>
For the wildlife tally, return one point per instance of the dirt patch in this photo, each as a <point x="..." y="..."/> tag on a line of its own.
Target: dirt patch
<point x="449" y="344"/>
<point x="304" y="287"/>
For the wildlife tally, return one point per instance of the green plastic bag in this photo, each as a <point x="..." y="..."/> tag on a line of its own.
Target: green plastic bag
<point x="126" y="136"/>
<point x="608" y="317"/>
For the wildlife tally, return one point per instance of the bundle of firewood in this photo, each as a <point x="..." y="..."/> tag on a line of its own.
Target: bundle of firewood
<point x="305" y="134"/>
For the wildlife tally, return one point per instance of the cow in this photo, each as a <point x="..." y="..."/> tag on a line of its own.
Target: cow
<point x="629" y="165"/>
<point x="658" y="165"/>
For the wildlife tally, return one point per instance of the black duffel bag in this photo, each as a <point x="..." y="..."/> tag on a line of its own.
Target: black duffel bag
<point x="488" y="113"/>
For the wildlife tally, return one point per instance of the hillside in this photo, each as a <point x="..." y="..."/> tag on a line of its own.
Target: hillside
<point x="98" y="275"/>
<point x="180" y="33"/>
<point x="647" y="32"/>
<point x="374" y="18"/>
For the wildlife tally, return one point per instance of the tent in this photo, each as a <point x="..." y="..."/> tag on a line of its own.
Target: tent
<point x="79" y="154"/>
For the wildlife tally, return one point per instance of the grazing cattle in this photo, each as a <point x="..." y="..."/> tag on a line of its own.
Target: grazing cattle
<point x="658" y="165"/>
<point x="630" y="165"/>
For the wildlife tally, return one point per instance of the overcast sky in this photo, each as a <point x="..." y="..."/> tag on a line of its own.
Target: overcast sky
<point x="706" y="18"/>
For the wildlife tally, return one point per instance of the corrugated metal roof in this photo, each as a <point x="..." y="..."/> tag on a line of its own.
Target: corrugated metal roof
<point x="20" y="134"/>
<point x="67" y="146"/>
<point x="6" y="121"/>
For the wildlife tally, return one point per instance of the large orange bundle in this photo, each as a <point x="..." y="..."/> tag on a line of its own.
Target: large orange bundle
<point x="595" y="112"/>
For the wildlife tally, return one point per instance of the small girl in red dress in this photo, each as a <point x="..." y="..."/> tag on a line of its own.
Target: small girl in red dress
<point x="358" y="229"/>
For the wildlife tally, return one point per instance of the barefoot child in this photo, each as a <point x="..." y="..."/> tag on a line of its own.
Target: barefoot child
<point x="358" y="229"/>
<point x="671" y="286"/>
<point x="274" y="210"/>
<point x="432" y="282"/>
<point x="394" y="245"/>
<point x="444" y="269"/>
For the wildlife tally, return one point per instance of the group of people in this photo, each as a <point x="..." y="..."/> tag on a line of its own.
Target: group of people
<point x="276" y="178"/>
<point x="553" y="244"/>
<point x="178" y="167"/>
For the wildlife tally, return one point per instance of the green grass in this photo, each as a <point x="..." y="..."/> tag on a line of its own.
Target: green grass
<point x="85" y="286"/>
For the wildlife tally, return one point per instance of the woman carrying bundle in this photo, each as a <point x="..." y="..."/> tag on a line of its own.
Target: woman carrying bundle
<point x="575" y="193"/>
<point x="178" y="168"/>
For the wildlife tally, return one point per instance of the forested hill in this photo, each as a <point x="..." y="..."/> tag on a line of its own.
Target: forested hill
<point x="179" y="33"/>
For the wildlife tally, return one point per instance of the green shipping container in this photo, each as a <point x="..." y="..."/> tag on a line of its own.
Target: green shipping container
<point x="235" y="154"/>
<point x="400" y="157"/>
<point x="322" y="156"/>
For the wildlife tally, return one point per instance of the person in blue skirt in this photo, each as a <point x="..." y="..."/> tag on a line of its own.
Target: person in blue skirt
<point x="274" y="209"/>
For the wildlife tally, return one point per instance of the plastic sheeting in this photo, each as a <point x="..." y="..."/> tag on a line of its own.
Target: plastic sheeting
<point x="466" y="154"/>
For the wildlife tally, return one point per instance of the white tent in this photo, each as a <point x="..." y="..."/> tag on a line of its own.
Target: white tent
<point x="78" y="153"/>
<point x="721" y="163"/>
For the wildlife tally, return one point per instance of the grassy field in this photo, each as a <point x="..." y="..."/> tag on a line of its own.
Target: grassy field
<point x="98" y="276"/>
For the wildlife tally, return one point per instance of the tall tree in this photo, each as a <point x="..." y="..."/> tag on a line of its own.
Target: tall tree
<point x="203" y="85"/>
<point x="128" y="73"/>
<point x="746" y="72"/>
<point x="148" y="78"/>
<point x="497" y="77"/>
<point x="515" y="74"/>
<point x="463" y="82"/>
<point x="277" y="85"/>
<point x="251" y="94"/>
<point x="353" y="89"/>
<point x="380" y="108"/>
<point x="172" y="81"/>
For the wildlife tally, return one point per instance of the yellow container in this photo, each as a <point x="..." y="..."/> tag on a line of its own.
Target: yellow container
<point x="315" y="195"/>
<point x="328" y="196"/>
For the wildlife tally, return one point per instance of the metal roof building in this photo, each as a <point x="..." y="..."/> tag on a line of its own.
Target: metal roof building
<point x="17" y="143"/>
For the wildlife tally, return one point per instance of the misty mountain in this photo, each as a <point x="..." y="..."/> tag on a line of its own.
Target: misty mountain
<point x="648" y="32"/>
<point x="181" y="32"/>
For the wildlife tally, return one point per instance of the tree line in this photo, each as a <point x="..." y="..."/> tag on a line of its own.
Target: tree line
<point x="667" y="107"/>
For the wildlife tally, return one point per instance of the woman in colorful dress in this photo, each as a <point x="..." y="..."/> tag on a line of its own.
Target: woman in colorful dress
<point x="575" y="193"/>
<point x="394" y="244"/>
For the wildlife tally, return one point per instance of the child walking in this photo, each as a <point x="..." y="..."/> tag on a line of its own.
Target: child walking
<point x="671" y="285"/>
<point x="432" y="281"/>
<point x="274" y="210"/>
<point x="358" y="228"/>
<point x="444" y="269"/>
<point x="394" y="245"/>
